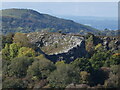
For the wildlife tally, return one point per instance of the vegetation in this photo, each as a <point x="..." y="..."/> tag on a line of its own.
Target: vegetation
<point x="27" y="20"/>
<point x="24" y="67"/>
<point x="62" y="76"/>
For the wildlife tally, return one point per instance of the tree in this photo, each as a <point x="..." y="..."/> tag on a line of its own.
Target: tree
<point x="40" y="69"/>
<point x="10" y="51"/>
<point x="11" y="83"/>
<point x="19" y="66"/>
<point x="26" y="51"/>
<point x="113" y="80"/>
<point x="115" y="59"/>
<point x="98" y="59"/>
<point x="6" y="52"/>
<point x="99" y="76"/>
<point x="59" y="62"/>
<point x="84" y="77"/>
<point x="63" y="75"/>
<point x="7" y="39"/>
<point x="82" y="64"/>
<point x="22" y="39"/>
<point x="5" y="68"/>
<point x="99" y="47"/>
<point x="91" y="42"/>
<point x="14" y="47"/>
<point x="59" y="31"/>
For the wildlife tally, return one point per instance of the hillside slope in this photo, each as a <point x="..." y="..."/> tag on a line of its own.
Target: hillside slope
<point x="26" y="20"/>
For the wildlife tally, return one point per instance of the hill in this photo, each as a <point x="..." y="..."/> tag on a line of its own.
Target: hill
<point x="27" y="20"/>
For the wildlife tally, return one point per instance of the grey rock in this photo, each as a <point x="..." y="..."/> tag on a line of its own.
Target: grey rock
<point x="62" y="46"/>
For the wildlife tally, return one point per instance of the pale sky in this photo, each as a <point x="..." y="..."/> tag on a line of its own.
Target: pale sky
<point x="60" y="0"/>
<point x="100" y="9"/>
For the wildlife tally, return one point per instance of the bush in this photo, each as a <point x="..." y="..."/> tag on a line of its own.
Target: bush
<point x="10" y="51"/>
<point x="84" y="77"/>
<point x="22" y="39"/>
<point x="113" y="80"/>
<point x="40" y="69"/>
<point x="19" y="66"/>
<point x="26" y="51"/>
<point x="7" y="39"/>
<point x="14" y="47"/>
<point x="115" y="59"/>
<point x="63" y="75"/>
<point x="6" y="52"/>
<point x="13" y="83"/>
<point x="98" y="59"/>
<point x="82" y="64"/>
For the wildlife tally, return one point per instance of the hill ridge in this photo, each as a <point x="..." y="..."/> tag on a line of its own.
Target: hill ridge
<point x="28" y="20"/>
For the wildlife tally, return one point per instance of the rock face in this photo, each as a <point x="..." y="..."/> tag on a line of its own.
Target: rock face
<point x="112" y="43"/>
<point x="71" y="54"/>
<point x="58" y="46"/>
<point x="68" y="47"/>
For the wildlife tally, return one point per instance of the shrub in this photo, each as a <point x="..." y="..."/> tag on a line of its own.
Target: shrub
<point x="26" y="51"/>
<point x="19" y="66"/>
<point x="82" y="64"/>
<point x="40" y="69"/>
<point x="63" y="75"/>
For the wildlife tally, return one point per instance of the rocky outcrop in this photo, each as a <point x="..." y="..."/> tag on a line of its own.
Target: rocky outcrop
<point x="111" y="43"/>
<point x="68" y="47"/>
<point x="71" y="54"/>
<point x="58" y="46"/>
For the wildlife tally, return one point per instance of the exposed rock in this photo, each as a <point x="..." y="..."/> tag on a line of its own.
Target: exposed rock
<point x="80" y="86"/>
<point x="59" y="46"/>
<point x="68" y="47"/>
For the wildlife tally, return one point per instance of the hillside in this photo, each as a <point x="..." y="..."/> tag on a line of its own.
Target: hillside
<point x="55" y="60"/>
<point x="58" y="46"/>
<point x="26" y="20"/>
<point x="44" y="51"/>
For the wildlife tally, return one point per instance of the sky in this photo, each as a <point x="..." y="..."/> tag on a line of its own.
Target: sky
<point x="60" y="0"/>
<point x="98" y="9"/>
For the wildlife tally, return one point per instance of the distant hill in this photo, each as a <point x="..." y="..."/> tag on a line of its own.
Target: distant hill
<point x="100" y="23"/>
<point x="27" y="20"/>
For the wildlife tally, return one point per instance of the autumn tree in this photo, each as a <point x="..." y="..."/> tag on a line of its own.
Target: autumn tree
<point x="26" y="51"/>
<point x="84" y="77"/>
<point x="14" y="47"/>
